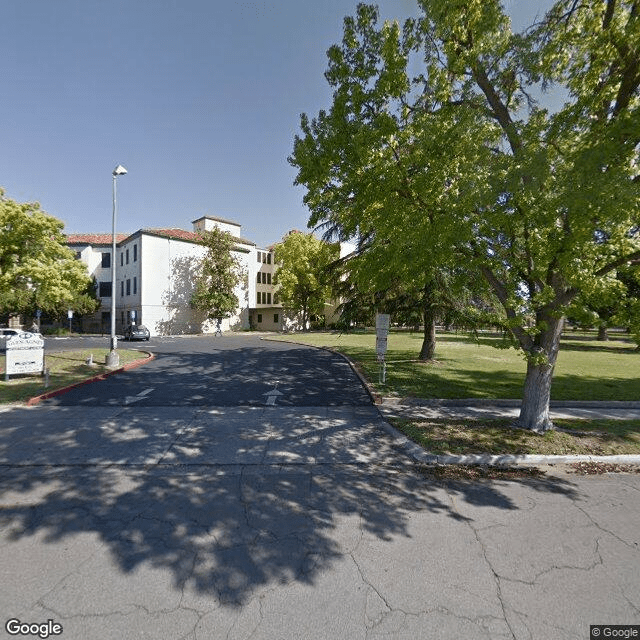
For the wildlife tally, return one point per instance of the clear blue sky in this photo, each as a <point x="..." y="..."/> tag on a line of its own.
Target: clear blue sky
<point x="199" y="99"/>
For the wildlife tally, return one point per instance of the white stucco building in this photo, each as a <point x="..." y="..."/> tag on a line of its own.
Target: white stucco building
<point x="155" y="277"/>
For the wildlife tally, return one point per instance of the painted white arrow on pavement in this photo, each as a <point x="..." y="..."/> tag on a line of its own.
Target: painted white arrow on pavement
<point x="271" y="396"/>
<point x="137" y="398"/>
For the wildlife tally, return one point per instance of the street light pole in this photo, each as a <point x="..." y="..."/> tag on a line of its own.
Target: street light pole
<point x="113" y="359"/>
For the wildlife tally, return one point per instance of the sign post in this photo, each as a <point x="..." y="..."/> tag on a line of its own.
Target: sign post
<point x="382" y="330"/>
<point x="70" y="315"/>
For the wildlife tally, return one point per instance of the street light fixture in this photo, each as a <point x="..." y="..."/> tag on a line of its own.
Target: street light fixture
<point x="113" y="359"/>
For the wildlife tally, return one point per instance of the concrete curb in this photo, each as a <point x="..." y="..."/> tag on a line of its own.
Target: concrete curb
<point x="416" y="452"/>
<point x="32" y="402"/>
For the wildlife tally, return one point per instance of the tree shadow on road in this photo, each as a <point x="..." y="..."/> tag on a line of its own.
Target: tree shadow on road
<point x="222" y="530"/>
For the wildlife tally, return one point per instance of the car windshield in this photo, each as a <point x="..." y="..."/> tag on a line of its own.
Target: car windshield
<point x="140" y="328"/>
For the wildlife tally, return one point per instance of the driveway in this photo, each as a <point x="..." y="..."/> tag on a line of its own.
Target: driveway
<point x="201" y="510"/>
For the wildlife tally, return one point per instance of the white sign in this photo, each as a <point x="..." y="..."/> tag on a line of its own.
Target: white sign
<point x="383" y="320"/>
<point x="382" y="330"/>
<point x="25" y="354"/>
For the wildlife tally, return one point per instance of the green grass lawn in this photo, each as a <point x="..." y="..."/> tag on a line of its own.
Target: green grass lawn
<point x="459" y="436"/>
<point x="479" y="368"/>
<point x="65" y="368"/>
<point x="468" y="368"/>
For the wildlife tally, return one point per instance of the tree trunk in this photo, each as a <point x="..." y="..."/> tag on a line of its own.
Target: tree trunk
<point x="429" y="341"/>
<point x="602" y="334"/>
<point x="534" y="410"/>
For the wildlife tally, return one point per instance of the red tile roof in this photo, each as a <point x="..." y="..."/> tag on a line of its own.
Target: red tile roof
<point x="177" y="234"/>
<point x="95" y="238"/>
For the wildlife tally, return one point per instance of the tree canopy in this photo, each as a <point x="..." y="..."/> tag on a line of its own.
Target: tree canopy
<point x="37" y="269"/>
<point x="218" y="276"/>
<point x="302" y="274"/>
<point x="438" y="149"/>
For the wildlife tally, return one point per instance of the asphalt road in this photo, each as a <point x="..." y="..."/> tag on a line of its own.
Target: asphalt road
<point x="173" y="502"/>
<point x="229" y="371"/>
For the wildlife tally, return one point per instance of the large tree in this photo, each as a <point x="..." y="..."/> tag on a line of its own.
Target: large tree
<point x="303" y="274"/>
<point x="629" y="315"/>
<point x="603" y="306"/>
<point x="217" y="276"/>
<point x="435" y="141"/>
<point x="37" y="270"/>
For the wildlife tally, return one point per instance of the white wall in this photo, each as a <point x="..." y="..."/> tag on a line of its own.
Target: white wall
<point x="169" y="269"/>
<point x="206" y="224"/>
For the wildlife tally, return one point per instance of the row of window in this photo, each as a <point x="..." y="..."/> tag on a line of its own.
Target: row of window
<point x="264" y="277"/>
<point x="264" y="297"/>
<point x="264" y="257"/>
<point x="104" y="288"/>
<point x="124" y="257"/>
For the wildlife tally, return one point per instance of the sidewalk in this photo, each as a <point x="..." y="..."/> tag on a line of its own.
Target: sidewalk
<point x="423" y="409"/>
<point x="494" y="408"/>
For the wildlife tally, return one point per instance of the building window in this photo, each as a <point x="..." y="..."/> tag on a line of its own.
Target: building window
<point x="106" y="260"/>
<point x="258" y="298"/>
<point x="259" y="256"/>
<point x="105" y="289"/>
<point x="269" y="258"/>
<point x="264" y="258"/>
<point x="259" y="318"/>
<point x="258" y="277"/>
<point x="122" y="288"/>
<point x="121" y="259"/>
<point x="276" y="317"/>
<point x="135" y="286"/>
<point x="78" y="255"/>
<point x="135" y="252"/>
<point x="128" y="287"/>
<point x="268" y="278"/>
<point x="276" y="298"/>
<point x="268" y="297"/>
<point x="127" y="256"/>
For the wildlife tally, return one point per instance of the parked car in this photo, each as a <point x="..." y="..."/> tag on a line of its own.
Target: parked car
<point x="8" y="333"/>
<point x="136" y="332"/>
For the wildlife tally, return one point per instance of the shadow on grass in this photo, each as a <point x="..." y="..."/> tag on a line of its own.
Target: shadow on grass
<point x="628" y="430"/>
<point x="427" y="380"/>
<point x="447" y="437"/>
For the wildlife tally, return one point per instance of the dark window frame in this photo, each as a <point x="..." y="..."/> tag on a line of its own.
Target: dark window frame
<point x="105" y="290"/>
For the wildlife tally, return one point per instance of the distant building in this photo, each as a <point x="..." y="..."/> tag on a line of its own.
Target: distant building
<point x="155" y="279"/>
